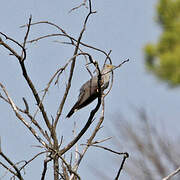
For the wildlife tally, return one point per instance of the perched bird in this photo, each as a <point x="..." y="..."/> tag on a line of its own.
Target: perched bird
<point x="89" y="90"/>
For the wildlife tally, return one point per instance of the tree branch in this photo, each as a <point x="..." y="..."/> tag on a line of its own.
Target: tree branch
<point x="27" y="78"/>
<point x="45" y="168"/>
<point x="172" y="174"/>
<point x="13" y="106"/>
<point x="18" y="173"/>
<point x="126" y="155"/>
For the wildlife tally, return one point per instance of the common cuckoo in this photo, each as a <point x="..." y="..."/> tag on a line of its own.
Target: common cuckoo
<point x="89" y="90"/>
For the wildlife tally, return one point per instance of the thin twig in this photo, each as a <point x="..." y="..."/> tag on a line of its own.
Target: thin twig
<point x="172" y="174"/>
<point x="26" y="112"/>
<point x="46" y="36"/>
<point x="16" y="42"/>
<point x="25" y="39"/>
<point x="126" y="155"/>
<point x="108" y="149"/>
<point x="33" y="158"/>
<point x="26" y="105"/>
<point x="77" y="7"/>
<point x="18" y="173"/>
<point x="9" y="48"/>
<point x="8" y="169"/>
<point x="68" y="36"/>
<point x="87" y="63"/>
<point x="103" y="140"/>
<point x="27" y="162"/>
<point x="69" y="168"/>
<point x="112" y="74"/>
<point x="108" y="58"/>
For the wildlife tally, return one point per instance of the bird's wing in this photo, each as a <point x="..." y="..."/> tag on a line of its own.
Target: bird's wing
<point x="88" y="90"/>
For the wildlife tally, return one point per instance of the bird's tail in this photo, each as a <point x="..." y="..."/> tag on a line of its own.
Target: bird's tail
<point x="71" y="112"/>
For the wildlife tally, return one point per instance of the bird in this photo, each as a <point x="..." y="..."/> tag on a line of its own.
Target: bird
<point x="89" y="90"/>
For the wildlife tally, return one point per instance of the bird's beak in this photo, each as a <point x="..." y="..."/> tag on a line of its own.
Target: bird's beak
<point x="113" y="66"/>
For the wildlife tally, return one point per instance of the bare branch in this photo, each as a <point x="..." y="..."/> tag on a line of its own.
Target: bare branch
<point x="33" y="158"/>
<point x="25" y="39"/>
<point x="103" y="140"/>
<point x="70" y="37"/>
<point x="77" y="7"/>
<point x="13" y="106"/>
<point x="18" y="173"/>
<point x="87" y="63"/>
<point x="16" y="42"/>
<point x="46" y="36"/>
<point x="126" y="155"/>
<point x="108" y="58"/>
<point x="69" y="168"/>
<point x="36" y="96"/>
<point x="8" y="169"/>
<point x="46" y="22"/>
<point x="27" y="78"/>
<point x="26" y="105"/>
<point x="110" y="150"/>
<point x="8" y="47"/>
<point x="45" y="168"/>
<point x="26" y="112"/>
<point x="121" y="64"/>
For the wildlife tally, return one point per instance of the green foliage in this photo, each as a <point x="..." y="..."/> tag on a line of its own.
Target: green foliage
<point x="163" y="58"/>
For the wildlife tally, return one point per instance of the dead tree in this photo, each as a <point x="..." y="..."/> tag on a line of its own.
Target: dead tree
<point x="53" y="148"/>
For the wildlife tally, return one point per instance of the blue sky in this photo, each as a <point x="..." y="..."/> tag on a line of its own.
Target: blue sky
<point x="122" y="26"/>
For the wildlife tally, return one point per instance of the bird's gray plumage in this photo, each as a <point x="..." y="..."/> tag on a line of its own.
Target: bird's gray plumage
<point x="89" y="90"/>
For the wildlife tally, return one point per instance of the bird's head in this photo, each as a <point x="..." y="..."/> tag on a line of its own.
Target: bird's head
<point x="109" y="66"/>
